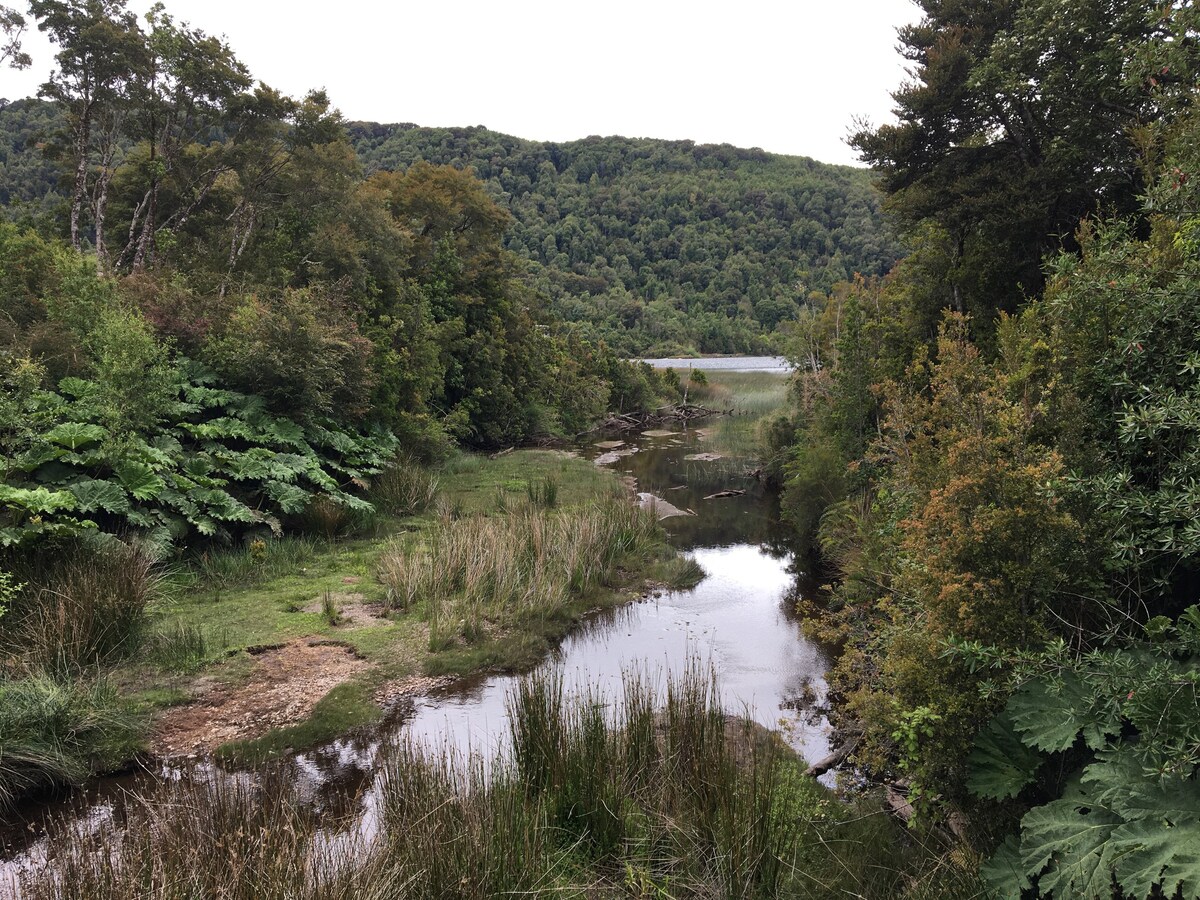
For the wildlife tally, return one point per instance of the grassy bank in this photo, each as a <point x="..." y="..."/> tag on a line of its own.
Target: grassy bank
<point x="145" y="638"/>
<point x="630" y="796"/>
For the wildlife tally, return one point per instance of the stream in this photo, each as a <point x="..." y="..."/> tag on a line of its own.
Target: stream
<point x="740" y="620"/>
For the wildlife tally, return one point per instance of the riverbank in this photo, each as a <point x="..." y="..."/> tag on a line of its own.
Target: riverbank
<point x="277" y="645"/>
<point x="602" y="795"/>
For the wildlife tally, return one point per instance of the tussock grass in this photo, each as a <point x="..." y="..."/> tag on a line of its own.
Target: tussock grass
<point x="329" y="519"/>
<point x="80" y="608"/>
<point x="55" y="731"/>
<point x="404" y="489"/>
<point x="477" y="573"/>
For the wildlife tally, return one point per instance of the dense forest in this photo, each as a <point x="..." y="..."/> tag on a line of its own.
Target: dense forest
<point x="656" y="247"/>
<point x="664" y="246"/>
<point x="995" y="448"/>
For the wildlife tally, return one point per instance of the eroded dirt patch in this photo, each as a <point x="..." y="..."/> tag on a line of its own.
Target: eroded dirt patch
<point x="284" y="686"/>
<point x="352" y="609"/>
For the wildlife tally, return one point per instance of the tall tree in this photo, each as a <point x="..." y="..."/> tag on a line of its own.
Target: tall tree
<point x="101" y="54"/>
<point x="192" y="83"/>
<point x="1018" y="123"/>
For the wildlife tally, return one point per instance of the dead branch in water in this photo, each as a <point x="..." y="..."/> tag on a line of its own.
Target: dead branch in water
<point x="681" y="413"/>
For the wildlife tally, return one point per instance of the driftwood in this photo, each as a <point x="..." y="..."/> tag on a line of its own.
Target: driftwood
<point x="664" y="415"/>
<point x="719" y="494"/>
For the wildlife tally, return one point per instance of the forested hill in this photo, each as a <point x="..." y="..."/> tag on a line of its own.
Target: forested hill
<point x="660" y="246"/>
<point x="655" y="246"/>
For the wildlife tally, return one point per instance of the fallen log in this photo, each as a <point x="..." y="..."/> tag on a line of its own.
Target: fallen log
<point x="833" y="760"/>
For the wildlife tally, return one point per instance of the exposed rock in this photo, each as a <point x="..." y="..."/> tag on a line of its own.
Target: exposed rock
<point x="661" y="508"/>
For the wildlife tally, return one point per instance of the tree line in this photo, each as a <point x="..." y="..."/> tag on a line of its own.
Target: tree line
<point x="994" y="448"/>
<point x="221" y="284"/>
<point x="655" y="247"/>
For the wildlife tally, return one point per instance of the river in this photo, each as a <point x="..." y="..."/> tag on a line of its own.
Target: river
<point x="740" y="619"/>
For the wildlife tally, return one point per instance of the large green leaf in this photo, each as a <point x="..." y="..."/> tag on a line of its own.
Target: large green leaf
<point x="1050" y="714"/>
<point x="282" y="431"/>
<point x="1159" y="850"/>
<point x="291" y="499"/>
<point x="255" y="463"/>
<point x="1004" y="874"/>
<point x="140" y="480"/>
<point x="37" y="501"/>
<point x="74" y="435"/>
<point x="93" y="494"/>
<point x="1001" y="764"/>
<point x="1070" y="849"/>
<point x="286" y="466"/>
<point x="224" y="506"/>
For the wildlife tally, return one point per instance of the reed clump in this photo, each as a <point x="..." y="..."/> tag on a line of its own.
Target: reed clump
<point x="231" y="839"/>
<point x="478" y="574"/>
<point x="406" y="488"/>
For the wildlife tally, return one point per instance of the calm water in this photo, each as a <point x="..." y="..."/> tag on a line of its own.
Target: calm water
<point x="740" y="619"/>
<point x="725" y="363"/>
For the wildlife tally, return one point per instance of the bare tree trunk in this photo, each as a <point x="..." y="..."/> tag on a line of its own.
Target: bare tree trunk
<point x="82" y="138"/>
<point x="100" y="195"/>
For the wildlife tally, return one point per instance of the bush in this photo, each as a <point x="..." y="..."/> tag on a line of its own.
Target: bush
<point x="301" y="351"/>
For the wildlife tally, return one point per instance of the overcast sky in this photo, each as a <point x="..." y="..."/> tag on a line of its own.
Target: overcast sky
<point x="786" y="76"/>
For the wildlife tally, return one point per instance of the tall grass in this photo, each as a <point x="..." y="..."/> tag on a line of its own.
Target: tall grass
<point x="180" y="646"/>
<point x="79" y="608"/>
<point x="259" y="559"/>
<point x="228" y="839"/>
<point x="404" y="489"/>
<point x="478" y="573"/>
<point x="600" y="796"/>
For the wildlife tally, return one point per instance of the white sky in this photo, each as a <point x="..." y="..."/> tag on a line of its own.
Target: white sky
<point x="785" y="76"/>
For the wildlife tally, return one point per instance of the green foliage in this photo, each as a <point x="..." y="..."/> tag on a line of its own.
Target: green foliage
<point x="1016" y="125"/>
<point x="1132" y="811"/>
<point x="214" y="462"/>
<point x="300" y="351"/>
<point x="57" y="732"/>
<point x="654" y="246"/>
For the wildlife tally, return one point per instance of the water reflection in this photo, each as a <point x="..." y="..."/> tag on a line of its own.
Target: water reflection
<point x="740" y="619"/>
